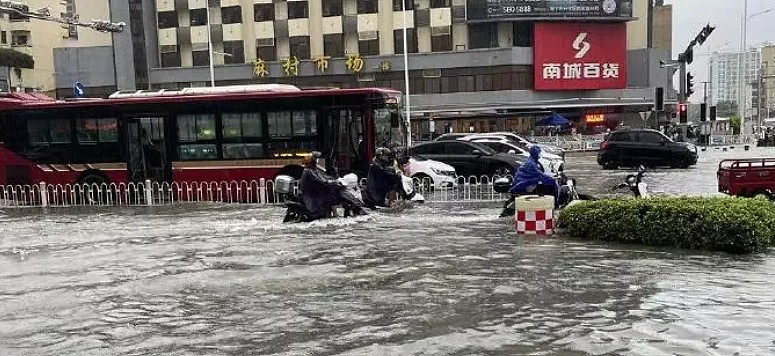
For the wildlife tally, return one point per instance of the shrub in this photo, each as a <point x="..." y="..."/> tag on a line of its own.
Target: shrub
<point x="717" y="224"/>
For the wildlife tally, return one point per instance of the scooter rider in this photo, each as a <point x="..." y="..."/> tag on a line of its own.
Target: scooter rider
<point x="382" y="178"/>
<point x="531" y="178"/>
<point x="321" y="192"/>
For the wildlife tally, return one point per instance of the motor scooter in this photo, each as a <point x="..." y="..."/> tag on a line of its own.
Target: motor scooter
<point x="636" y="185"/>
<point x="568" y="191"/>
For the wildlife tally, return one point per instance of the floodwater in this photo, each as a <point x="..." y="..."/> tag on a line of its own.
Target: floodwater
<point x="440" y="279"/>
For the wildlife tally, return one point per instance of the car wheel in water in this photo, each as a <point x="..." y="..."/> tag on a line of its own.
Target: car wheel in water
<point x="422" y="183"/>
<point x="503" y="171"/>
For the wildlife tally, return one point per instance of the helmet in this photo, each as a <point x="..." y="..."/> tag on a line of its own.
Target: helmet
<point x="383" y="156"/>
<point x="535" y="152"/>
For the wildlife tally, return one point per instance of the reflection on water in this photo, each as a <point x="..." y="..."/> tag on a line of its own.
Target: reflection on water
<point x="439" y="280"/>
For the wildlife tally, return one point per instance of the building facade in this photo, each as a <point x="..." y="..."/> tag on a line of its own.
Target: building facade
<point x="472" y="64"/>
<point x="36" y="38"/>
<point x="768" y="80"/>
<point x="725" y="75"/>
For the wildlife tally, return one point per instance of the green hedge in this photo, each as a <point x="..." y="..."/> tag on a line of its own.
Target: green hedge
<point x="717" y="224"/>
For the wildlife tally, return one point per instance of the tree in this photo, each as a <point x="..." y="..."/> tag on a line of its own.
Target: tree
<point x="735" y="123"/>
<point x="726" y="108"/>
<point x="16" y="60"/>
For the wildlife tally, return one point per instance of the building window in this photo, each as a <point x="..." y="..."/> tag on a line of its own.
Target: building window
<point x="265" y="49"/>
<point x="483" y="35"/>
<point x="263" y="12"/>
<point x="201" y="58"/>
<point x="411" y="40"/>
<point x="368" y="47"/>
<point x="300" y="47"/>
<point x="523" y="34"/>
<point x="236" y="50"/>
<point x="439" y="3"/>
<point x="231" y="14"/>
<point x="408" y="5"/>
<point x="198" y="17"/>
<point x="333" y="45"/>
<point x="3" y="37"/>
<point x="170" y="60"/>
<point x="298" y="10"/>
<point x="20" y="39"/>
<point x="368" y="6"/>
<point x="168" y="19"/>
<point x="332" y="8"/>
<point x="441" y="39"/>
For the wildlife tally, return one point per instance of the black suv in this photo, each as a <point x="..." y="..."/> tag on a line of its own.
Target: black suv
<point x="650" y="148"/>
<point x="469" y="158"/>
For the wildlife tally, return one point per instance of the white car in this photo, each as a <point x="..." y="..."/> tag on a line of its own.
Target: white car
<point x="429" y="174"/>
<point x="549" y="161"/>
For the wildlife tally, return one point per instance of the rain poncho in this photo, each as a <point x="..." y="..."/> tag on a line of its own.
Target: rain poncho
<point x="531" y="173"/>
<point x="319" y="192"/>
<point x="381" y="180"/>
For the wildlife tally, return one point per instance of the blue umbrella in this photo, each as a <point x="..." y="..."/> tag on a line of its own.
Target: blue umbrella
<point x="554" y="120"/>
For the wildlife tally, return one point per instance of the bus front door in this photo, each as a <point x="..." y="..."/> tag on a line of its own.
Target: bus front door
<point x="148" y="157"/>
<point x="344" y="139"/>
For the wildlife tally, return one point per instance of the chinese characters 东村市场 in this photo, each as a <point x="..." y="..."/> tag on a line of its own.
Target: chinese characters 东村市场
<point x="581" y="70"/>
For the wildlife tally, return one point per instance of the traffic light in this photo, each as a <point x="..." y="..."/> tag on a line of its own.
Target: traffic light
<point x="713" y="113"/>
<point x="689" y="84"/>
<point x="683" y="115"/>
<point x="704" y="34"/>
<point x="703" y="112"/>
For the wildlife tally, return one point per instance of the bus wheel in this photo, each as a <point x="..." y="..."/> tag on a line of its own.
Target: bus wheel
<point x="94" y="188"/>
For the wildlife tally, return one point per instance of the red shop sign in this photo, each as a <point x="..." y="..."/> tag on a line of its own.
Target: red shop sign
<point x="580" y="56"/>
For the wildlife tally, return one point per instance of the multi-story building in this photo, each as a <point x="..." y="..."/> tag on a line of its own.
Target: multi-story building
<point x="768" y="80"/>
<point x="725" y="75"/>
<point x="472" y="64"/>
<point x="36" y="38"/>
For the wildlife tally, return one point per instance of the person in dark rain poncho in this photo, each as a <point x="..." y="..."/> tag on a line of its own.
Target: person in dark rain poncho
<point x="321" y="192"/>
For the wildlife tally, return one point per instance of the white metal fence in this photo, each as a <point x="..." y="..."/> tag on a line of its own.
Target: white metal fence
<point x="471" y="189"/>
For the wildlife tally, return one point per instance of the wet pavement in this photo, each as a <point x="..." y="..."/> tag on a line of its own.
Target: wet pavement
<point x="441" y="279"/>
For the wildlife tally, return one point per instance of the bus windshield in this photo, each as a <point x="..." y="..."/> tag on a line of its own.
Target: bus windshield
<point x="387" y="132"/>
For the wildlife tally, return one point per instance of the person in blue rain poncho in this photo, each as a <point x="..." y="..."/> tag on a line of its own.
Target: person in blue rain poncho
<point x="531" y="178"/>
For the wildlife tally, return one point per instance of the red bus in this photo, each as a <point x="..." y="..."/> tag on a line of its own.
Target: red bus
<point x="233" y="133"/>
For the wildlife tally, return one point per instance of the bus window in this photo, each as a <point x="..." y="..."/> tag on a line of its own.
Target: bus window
<point x="305" y="123"/>
<point x="37" y="129"/>
<point x="192" y="128"/>
<point x="87" y="130"/>
<point x="279" y="124"/>
<point x="197" y="152"/>
<point x="61" y="132"/>
<point x="240" y="126"/>
<point x="243" y="150"/>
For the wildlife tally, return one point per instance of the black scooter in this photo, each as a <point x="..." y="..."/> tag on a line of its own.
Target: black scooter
<point x="634" y="182"/>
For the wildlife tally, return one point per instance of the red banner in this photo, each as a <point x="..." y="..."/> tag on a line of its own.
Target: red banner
<point x="580" y="56"/>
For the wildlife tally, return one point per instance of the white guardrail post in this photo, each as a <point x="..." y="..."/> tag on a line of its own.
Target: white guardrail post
<point x="43" y="195"/>
<point x="148" y="193"/>
<point x="262" y="191"/>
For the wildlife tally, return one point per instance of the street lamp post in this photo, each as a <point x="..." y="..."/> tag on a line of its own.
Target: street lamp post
<point x="406" y="75"/>
<point x="210" y="46"/>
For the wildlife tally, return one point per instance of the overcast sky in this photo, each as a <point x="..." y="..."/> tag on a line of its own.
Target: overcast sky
<point x="690" y="16"/>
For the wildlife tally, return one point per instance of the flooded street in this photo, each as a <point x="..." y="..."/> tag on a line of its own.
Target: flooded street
<point x="440" y="279"/>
